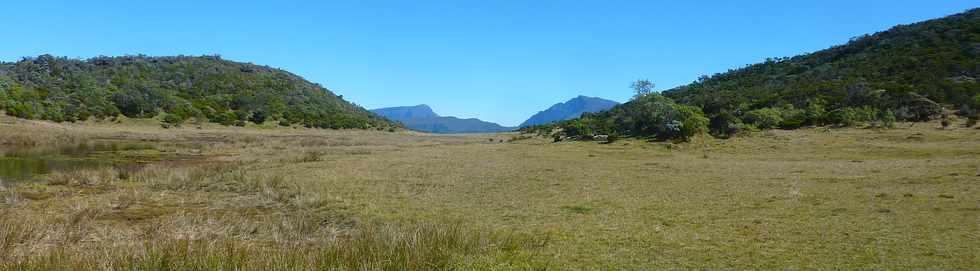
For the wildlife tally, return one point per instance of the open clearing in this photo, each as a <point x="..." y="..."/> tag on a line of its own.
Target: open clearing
<point x="903" y="198"/>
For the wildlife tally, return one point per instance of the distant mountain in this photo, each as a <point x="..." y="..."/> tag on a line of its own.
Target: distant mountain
<point x="422" y="118"/>
<point x="402" y="113"/>
<point x="569" y="110"/>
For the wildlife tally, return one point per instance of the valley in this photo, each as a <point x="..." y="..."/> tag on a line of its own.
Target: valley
<point x="848" y="198"/>
<point x="856" y="155"/>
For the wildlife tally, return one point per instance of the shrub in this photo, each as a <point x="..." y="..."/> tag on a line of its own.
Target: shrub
<point x="888" y="119"/>
<point x="650" y="115"/>
<point x="847" y="116"/>
<point x="21" y="110"/>
<point x="914" y="107"/>
<point x="815" y="113"/>
<point x="793" y="118"/>
<point x="258" y="117"/>
<point x="724" y="124"/>
<point x="693" y="122"/>
<point x="867" y="114"/>
<point x="172" y="119"/>
<point x="766" y="118"/>
<point x="658" y="116"/>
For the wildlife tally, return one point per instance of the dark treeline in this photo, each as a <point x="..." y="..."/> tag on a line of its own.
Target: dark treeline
<point x="180" y="88"/>
<point x="907" y="73"/>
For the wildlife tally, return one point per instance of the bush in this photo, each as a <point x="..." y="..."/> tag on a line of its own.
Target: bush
<point x="650" y="115"/>
<point x="793" y="118"/>
<point x="21" y="110"/>
<point x="172" y="119"/>
<point x="914" y="107"/>
<point x="867" y="114"/>
<point x="724" y="124"/>
<point x="815" y="113"/>
<point x="692" y="121"/>
<point x="766" y="118"/>
<point x="658" y="116"/>
<point x="845" y="117"/>
<point x="888" y="119"/>
<point x="258" y="117"/>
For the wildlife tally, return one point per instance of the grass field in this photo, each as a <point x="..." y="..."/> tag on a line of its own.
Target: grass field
<point x="265" y="198"/>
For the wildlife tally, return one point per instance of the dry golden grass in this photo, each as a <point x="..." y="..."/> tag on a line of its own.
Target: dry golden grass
<point x="312" y="199"/>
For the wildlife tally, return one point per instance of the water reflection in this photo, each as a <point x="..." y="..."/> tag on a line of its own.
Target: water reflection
<point x="25" y="164"/>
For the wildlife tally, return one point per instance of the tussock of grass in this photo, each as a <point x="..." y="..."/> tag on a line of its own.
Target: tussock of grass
<point x="310" y="156"/>
<point x="422" y="247"/>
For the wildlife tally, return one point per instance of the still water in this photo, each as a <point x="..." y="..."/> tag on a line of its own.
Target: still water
<point x="19" y="165"/>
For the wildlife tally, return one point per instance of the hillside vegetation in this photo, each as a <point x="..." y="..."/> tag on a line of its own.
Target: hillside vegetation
<point x="907" y="73"/>
<point x="205" y="88"/>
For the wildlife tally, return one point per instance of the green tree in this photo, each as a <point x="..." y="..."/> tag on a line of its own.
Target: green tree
<point x="765" y="118"/>
<point x="642" y="87"/>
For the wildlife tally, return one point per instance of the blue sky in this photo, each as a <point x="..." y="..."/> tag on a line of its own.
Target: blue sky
<point x="500" y="61"/>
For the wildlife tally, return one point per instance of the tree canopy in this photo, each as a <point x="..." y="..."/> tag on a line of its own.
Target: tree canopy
<point x="182" y="87"/>
<point x="907" y="73"/>
<point x="909" y="69"/>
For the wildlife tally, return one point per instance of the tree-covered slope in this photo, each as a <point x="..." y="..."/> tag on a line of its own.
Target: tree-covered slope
<point x="569" y="110"/>
<point x="906" y="73"/>
<point x="937" y="59"/>
<point x="205" y="88"/>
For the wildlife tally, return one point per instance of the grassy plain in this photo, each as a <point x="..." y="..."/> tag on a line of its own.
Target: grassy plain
<point x="264" y="198"/>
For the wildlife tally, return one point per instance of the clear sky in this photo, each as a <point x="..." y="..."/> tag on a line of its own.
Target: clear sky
<point x="500" y="61"/>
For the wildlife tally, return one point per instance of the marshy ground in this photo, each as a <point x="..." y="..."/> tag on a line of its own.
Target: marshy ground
<point x="263" y="198"/>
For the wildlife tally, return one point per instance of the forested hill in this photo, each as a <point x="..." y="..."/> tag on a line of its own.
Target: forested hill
<point x="908" y="73"/>
<point x="938" y="59"/>
<point x="205" y="88"/>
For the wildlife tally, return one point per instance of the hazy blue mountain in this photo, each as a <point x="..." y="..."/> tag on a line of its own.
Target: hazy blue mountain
<point x="402" y="113"/>
<point x="569" y="110"/>
<point x="422" y="118"/>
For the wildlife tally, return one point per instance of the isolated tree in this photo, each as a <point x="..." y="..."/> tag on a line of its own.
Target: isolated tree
<point x="642" y="87"/>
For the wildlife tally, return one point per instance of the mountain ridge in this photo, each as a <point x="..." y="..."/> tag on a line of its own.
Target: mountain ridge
<point x="423" y="118"/>
<point x="570" y="109"/>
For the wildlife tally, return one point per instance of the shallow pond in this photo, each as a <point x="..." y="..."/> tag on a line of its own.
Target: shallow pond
<point x="18" y="165"/>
